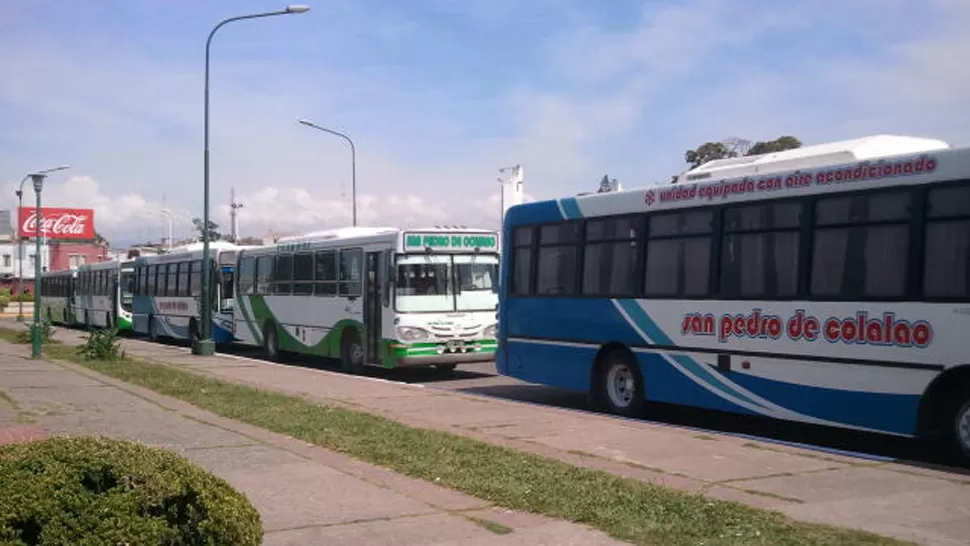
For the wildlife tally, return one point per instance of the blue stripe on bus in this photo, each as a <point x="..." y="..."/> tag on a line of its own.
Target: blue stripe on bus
<point x="570" y="208"/>
<point x="657" y="336"/>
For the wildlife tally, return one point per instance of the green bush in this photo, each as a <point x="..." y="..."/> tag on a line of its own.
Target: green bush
<point x="96" y="491"/>
<point x="46" y="331"/>
<point x="102" y="345"/>
<point x="4" y="299"/>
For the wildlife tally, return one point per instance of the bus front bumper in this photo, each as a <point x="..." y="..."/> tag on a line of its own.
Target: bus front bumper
<point x="444" y="359"/>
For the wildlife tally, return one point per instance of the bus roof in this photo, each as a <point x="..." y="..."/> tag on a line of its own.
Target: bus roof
<point x="830" y="153"/>
<point x="861" y="164"/>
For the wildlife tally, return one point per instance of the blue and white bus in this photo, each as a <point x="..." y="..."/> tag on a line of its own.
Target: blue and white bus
<point x="168" y="293"/>
<point x="828" y="285"/>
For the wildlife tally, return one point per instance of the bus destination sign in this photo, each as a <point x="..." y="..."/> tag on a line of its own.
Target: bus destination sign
<point x="450" y="242"/>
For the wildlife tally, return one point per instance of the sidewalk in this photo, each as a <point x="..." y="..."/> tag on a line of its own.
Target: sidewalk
<point x="305" y="494"/>
<point x="908" y="502"/>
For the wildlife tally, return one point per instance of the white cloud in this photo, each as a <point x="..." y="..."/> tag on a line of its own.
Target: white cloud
<point x="620" y="100"/>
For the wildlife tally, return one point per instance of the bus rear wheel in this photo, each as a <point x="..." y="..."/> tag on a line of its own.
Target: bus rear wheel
<point x="152" y="329"/>
<point x="351" y="351"/>
<point x="193" y="330"/>
<point x="271" y="343"/>
<point x="620" y="383"/>
<point x="959" y="425"/>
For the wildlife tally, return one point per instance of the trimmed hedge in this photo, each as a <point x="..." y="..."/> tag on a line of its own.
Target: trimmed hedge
<point x="93" y="491"/>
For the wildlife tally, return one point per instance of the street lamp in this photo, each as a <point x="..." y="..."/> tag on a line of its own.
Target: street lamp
<point x="353" y="162"/>
<point x="20" y="239"/>
<point x="36" y="337"/>
<point x="204" y="345"/>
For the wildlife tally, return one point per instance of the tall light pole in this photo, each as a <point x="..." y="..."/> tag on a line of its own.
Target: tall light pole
<point x="36" y="337"/>
<point x="20" y="238"/>
<point x="205" y="345"/>
<point x="353" y="162"/>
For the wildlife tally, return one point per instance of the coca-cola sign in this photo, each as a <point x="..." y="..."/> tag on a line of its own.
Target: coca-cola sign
<point x="56" y="223"/>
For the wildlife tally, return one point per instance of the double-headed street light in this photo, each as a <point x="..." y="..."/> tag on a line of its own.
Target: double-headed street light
<point x="353" y="162"/>
<point x="20" y="239"/>
<point x="205" y="345"/>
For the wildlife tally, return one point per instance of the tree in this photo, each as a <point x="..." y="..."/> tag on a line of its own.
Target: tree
<point x="709" y="151"/>
<point x="734" y="147"/>
<point x="214" y="234"/>
<point x="98" y="238"/>
<point x="780" y="144"/>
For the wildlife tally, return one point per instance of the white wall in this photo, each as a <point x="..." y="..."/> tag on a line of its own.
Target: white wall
<point x="9" y="261"/>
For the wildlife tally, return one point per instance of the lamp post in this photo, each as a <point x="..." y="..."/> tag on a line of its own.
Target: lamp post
<point x="353" y="162"/>
<point x="205" y="345"/>
<point x="37" y="336"/>
<point x="20" y="239"/>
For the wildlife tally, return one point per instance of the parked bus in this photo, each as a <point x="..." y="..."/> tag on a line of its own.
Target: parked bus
<point x="372" y="296"/>
<point x="57" y="302"/>
<point x="828" y="285"/>
<point x="168" y="293"/>
<point x="103" y="295"/>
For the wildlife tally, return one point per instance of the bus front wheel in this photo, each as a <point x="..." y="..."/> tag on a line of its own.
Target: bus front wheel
<point x="271" y="343"/>
<point x="351" y="351"/>
<point x="620" y="383"/>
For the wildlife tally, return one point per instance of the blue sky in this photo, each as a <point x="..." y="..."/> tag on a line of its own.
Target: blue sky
<point x="438" y="94"/>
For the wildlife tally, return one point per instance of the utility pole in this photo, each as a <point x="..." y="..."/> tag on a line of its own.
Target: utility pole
<point x="167" y="213"/>
<point x="233" y="215"/>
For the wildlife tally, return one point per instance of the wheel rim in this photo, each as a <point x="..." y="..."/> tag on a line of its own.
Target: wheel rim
<point x="271" y="343"/>
<point x="621" y="385"/>
<point x="963" y="428"/>
<point x="356" y="352"/>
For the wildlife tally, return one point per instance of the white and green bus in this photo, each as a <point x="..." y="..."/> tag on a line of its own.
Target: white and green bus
<point x="103" y="295"/>
<point x="372" y="296"/>
<point x="57" y="304"/>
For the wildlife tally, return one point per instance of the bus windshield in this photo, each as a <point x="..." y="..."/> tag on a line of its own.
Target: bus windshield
<point x="446" y="283"/>
<point x="127" y="289"/>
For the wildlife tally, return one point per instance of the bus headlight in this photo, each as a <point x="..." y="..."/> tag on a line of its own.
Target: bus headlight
<point x="490" y="331"/>
<point x="407" y="333"/>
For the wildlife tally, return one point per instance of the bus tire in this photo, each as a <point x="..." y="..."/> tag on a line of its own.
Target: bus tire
<point x="193" y="329"/>
<point x="619" y="385"/>
<point x="958" y="423"/>
<point x="107" y="321"/>
<point x="87" y="321"/>
<point x="351" y="351"/>
<point x="271" y="343"/>
<point x="445" y="368"/>
<point x="152" y="328"/>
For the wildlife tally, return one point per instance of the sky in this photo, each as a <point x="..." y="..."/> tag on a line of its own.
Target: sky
<point x="438" y="95"/>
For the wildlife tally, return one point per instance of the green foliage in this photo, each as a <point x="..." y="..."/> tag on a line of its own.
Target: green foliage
<point x="214" y="234"/>
<point x="780" y="144"/>
<point x="4" y="298"/>
<point x="710" y="151"/>
<point x="102" y="345"/>
<point x="103" y="491"/>
<point x="47" y="332"/>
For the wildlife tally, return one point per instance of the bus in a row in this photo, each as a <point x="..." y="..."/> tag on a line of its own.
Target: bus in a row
<point x="93" y="295"/>
<point x="366" y="296"/>
<point x="828" y="285"/>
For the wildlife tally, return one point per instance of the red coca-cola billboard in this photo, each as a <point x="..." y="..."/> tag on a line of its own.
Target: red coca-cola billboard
<point x="56" y="223"/>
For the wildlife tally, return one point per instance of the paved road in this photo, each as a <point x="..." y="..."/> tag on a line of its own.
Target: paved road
<point x="482" y="380"/>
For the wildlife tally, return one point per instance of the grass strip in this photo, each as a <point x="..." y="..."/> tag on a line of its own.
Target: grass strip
<point x="626" y="509"/>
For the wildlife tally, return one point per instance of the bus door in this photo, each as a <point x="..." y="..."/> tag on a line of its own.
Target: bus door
<point x="373" y="277"/>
